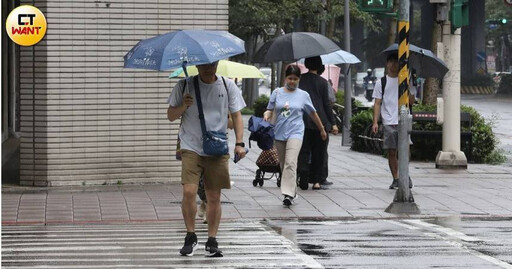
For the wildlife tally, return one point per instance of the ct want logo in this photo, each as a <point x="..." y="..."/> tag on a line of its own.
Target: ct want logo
<point x="26" y="25"/>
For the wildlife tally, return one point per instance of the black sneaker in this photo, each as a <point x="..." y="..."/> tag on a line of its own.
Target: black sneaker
<point x="325" y="182"/>
<point x="287" y="200"/>
<point x="394" y="184"/>
<point x="190" y="245"/>
<point x="212" y="248"/>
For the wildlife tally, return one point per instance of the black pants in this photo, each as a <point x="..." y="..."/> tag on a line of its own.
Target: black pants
<point x="312" y="161"/>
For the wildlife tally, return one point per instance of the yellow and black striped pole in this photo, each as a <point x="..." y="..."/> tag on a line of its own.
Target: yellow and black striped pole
<point x="403" y="60"/>
<point x="404" y="200"/>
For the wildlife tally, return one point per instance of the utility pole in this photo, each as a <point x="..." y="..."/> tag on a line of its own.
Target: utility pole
<point x="451" y="156"/>
<point x="345" y="138"/>
<point x="403" y="203"/>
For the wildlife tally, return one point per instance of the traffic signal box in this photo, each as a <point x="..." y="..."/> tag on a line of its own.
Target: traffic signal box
<point x="459" y="14"/>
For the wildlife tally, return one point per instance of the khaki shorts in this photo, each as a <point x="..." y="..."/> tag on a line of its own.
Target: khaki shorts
<point x="214" y="168"/>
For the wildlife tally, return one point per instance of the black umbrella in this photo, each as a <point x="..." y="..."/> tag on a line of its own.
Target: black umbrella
<point x="294" y="46"/>
<point x="426" y="63"/>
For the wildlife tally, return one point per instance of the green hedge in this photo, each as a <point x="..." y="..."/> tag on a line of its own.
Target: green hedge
<point x="358" y="124"/>
<point x="505" y="85"/>
<point x="260" y="106"/>
<point x="484" y="141"/>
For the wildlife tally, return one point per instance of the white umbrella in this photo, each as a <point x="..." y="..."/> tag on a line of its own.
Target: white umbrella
<point x="338" y="57"/>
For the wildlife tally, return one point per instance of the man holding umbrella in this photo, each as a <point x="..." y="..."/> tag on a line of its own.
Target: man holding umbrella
<point x="219" y="97"/>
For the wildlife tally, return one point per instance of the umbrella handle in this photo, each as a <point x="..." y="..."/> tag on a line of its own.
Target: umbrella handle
<point x="184" y="66"/>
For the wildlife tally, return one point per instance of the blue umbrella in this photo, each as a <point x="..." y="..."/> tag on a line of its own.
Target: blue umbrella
<point x="338" y="57"/>
<point x="179" y="48"/>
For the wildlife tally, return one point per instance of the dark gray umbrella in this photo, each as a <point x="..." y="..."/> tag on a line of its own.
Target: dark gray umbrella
<point x="426" y="63"/>
<point x="294" y="46"/>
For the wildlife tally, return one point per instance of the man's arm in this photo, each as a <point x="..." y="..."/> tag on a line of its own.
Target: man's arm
<point x="376" y="115"/>
<point x="174" y="113"/>
<point x="239" y="132"/>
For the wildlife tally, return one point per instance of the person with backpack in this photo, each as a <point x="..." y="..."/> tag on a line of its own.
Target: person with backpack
<point x="287" y="106"/>
<point x="386" y="106"/>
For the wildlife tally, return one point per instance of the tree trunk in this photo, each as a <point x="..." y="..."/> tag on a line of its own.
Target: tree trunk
<point x="393" y="25"/>
<point x="331" y="24"/>
<point x="431" y="87"/>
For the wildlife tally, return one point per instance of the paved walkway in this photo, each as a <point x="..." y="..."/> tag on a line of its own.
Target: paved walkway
<point x="359" y="190"/>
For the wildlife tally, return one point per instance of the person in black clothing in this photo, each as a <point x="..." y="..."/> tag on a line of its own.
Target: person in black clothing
<point x="313" y="154"/>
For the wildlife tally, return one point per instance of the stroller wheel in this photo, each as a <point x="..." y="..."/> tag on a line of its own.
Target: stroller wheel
<point x="255" y="182"/>
<point x="261" y="182"/>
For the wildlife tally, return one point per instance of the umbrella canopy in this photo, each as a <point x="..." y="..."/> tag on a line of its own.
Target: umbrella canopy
<point x="426" y="63"/>
<point x="338" y="57"/>
<point x="172" y="50"/>
<point x="293" y="46"/>
<point x="227" y="69"/>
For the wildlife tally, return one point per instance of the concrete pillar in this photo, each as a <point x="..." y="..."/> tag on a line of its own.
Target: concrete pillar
<point x="451" y="156"/>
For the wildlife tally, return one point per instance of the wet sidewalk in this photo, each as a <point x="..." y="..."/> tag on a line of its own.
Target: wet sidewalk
<point x="360" y="190"/>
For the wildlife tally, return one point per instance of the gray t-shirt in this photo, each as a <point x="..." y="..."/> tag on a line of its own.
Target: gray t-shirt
<point x="216" y="105"/>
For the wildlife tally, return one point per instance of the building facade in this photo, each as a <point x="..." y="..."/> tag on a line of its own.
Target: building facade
<point x="82" y="118"/>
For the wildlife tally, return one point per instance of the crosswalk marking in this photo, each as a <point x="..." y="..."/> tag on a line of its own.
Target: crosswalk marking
<point x="245" y="244"/>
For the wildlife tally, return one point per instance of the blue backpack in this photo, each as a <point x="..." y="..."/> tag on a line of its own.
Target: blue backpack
<point x="262" y="132"/>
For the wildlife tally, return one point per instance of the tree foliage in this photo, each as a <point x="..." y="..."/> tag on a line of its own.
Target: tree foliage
<point x="248" y="19"/>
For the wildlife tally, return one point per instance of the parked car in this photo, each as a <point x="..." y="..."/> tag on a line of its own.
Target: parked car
<point x="267" y="72"/>
<point x="359" y="83"/>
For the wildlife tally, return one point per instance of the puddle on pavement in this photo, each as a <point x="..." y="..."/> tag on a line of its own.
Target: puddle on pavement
<point x="314" y="250"/>
<point x="290" y="234"/>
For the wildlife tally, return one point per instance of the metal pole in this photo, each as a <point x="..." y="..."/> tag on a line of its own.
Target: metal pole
<point x="451" y="156"/>
<point x="403" y="201"/>
<point x="345" y="139"/>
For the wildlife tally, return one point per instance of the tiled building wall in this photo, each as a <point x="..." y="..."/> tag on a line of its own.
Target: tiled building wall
<point x="84" y="118"/>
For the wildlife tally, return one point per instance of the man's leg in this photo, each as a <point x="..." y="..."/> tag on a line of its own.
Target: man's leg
<point x="393" y="162"/>
<point x="214" y="211"/>
<point x="216" y="178"/>
<point x="190" y="172"/>
<point x="393" y="166"/>
<point x="188" y="206"/>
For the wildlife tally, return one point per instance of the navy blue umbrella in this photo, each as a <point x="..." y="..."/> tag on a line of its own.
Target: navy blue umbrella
<point x="426" y="63"/>
<point x="179" y="48"/>
<point x="294" y="46"/>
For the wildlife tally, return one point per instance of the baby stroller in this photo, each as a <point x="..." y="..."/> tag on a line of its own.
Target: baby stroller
<point x="268" y="162"/>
